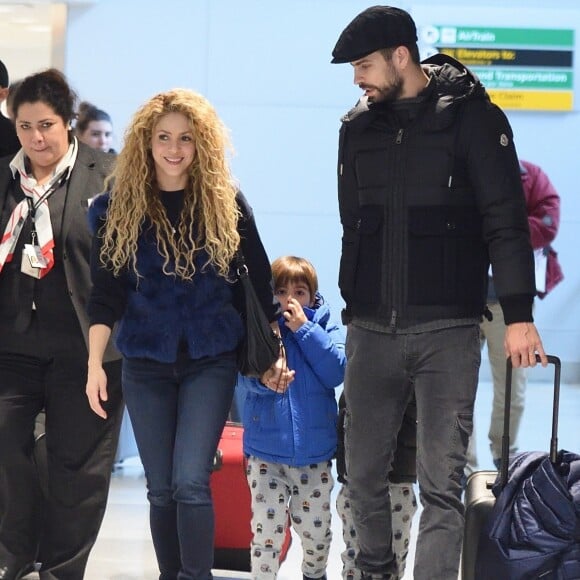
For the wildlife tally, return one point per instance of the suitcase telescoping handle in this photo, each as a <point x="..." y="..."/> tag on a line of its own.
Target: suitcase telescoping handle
<point x="505" y="440"/>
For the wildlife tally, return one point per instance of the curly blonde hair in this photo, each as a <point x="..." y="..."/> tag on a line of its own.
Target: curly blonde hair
<point x="210" y="213"/>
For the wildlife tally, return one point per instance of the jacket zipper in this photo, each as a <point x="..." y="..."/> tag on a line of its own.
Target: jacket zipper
<point x="396" y="247"/>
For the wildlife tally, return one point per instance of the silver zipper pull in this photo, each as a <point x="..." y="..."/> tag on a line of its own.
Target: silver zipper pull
<point x="393" y="323"/>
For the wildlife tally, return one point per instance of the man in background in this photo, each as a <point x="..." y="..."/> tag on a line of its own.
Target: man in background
<point x="543" y="208"/>
<point x="9" y="143"/>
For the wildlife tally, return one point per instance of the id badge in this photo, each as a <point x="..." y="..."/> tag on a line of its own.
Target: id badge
<point x="27" y="269"/>
<point x="34" y="253"/>
<point x="32" y="261"/>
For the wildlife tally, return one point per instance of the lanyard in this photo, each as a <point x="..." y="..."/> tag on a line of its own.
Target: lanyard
<point x="32" y="207"/>
<point x="32" y="214"/>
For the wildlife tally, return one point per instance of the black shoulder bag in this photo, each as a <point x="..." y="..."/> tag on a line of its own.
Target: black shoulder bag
<point x="260" y="347"/>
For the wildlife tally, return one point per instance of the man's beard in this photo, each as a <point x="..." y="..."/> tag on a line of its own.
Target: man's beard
<point x="388" y="93"/>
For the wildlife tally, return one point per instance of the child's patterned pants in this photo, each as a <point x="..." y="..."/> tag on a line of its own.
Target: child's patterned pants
<point x="404" y="506"/>
<point x="304" y="492"/>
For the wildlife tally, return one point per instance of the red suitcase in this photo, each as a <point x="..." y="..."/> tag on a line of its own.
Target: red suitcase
<point x="232" y="504"/>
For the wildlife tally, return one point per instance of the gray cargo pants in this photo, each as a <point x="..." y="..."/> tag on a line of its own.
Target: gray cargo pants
<point x="383" y="370"/>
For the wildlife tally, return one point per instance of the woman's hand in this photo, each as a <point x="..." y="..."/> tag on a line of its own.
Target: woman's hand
<point x="97" y="389"/>
<point x="278" y="376"/>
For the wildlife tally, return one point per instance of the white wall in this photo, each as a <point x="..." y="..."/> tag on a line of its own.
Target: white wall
<point x="266" y="67"/>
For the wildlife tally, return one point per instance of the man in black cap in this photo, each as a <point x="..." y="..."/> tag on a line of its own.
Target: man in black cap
<point x="429" y="191"/>
<point x="9" y="143"/>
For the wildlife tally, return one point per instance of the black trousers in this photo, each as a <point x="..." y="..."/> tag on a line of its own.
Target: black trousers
<point x="57" y="528"/>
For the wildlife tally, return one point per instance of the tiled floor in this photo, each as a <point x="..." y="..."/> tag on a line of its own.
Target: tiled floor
<point x="123" y="550"/>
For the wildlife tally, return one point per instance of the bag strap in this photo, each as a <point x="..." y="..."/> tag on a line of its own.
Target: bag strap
<point x="240" y="264"/>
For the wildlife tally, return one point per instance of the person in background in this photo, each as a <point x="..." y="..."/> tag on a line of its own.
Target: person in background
<point x="403" y="501"/>
<point x="94" y="127"/>
<point x="543" y="208"/>
<point x="290" y="434"/>
<point x="44" y="289"/>
<point x="9" y="143"/>
<point x="163" y="264"/>
<point x="429" y="190"/>
<point x="14" y="86"/>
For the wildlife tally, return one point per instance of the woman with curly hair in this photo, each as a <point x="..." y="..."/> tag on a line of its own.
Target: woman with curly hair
<point x="167" y="234"/>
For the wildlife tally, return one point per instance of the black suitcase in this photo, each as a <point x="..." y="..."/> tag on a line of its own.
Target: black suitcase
<point x="479" y="498"/>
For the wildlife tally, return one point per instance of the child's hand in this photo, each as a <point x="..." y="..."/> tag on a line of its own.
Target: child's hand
<point x="294" y="315"/>
<point x="278" y="376"/>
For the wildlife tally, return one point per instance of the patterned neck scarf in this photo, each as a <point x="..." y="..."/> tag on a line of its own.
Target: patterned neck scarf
<point x="35" y="203"/>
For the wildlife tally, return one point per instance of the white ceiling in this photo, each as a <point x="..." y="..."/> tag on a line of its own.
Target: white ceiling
<point x="24" y="25"/>
<point x="32" y="36"/>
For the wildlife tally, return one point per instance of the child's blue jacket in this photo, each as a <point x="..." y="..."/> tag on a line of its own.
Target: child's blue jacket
<point x="298" y="427"/>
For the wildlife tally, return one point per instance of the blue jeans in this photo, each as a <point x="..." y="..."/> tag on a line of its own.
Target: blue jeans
<point x="178" y="413"/>
<point x="441" y="368"/>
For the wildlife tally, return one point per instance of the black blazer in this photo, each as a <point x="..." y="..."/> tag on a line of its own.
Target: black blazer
<point x="86" y="180"/>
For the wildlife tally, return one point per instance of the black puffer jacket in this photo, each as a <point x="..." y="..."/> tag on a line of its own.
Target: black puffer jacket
<point x="427" y="197"/>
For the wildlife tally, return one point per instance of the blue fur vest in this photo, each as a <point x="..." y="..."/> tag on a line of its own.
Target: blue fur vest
<point x="165" y="314"/>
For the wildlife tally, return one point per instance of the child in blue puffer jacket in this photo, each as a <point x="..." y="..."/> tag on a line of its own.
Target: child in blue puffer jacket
<point x="290" y="432"/>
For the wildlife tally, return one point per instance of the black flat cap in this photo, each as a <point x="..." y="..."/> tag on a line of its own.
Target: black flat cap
<point x="373" y="29"/>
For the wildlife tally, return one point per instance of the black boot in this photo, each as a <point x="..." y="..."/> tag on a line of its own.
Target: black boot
<point x="163" y="522"/>
<point x="196" y="532"/>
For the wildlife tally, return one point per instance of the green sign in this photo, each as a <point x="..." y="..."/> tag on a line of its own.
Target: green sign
<point x="497" y="78"/>
<point x="479" y="36"/>
<point x="522" y="68"/>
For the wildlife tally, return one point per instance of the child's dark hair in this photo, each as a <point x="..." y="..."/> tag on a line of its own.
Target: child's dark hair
<point x="288" y="269"/>
<point x="51" y="88"/>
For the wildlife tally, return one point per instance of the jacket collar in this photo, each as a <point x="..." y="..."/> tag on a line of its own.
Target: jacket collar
<point x="79" y="180"/>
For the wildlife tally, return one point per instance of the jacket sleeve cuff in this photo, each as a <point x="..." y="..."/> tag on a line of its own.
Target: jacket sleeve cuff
<point x="101" y="316"/>
<point x="517" y="308"/>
